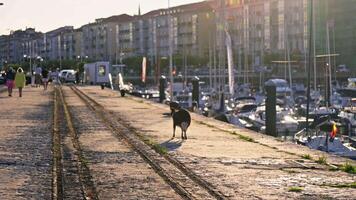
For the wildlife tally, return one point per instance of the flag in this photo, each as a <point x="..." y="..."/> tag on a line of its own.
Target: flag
<point x="143" y="77"/>
<point x="230" y="62"/>
<point x="333" y="131"/>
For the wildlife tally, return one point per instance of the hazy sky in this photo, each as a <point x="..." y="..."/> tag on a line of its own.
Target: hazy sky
<point x="46" y="15"/>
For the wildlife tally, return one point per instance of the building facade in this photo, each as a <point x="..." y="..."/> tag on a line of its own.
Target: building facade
<point x="261" y="31"/>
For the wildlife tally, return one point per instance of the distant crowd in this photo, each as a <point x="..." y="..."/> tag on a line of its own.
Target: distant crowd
<point x="18" y="79"/>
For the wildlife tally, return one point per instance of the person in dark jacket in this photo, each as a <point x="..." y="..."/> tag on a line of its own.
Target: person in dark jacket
<point x="10" y="80"/>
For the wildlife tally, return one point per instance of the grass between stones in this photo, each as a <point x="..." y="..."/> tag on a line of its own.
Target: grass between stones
<point x="295" y="189"/>
<point x="345" y="185"/>
<point x="307" y="156"/>
<point x="157" y="147"/>
<point x="347" y="167"/>
<point x="246" y="138"/>
<point x="243" y="137"/>
<point x="322" y="160"/>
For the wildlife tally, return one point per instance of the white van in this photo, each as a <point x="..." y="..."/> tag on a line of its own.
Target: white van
<point x="97" y="73"/>
<point x="67" y="75"/>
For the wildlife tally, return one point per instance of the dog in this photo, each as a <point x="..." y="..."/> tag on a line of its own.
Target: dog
<point x="181" y="118"/>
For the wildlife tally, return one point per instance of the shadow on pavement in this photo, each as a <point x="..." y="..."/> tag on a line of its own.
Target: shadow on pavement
<point x="171" y="144"/>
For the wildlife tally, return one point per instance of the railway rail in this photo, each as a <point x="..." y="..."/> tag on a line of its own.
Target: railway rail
<point x="63" y="115"/>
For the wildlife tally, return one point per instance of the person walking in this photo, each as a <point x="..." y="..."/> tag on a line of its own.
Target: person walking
<point x="38" y="73"/>
<point x="20" y="80"/>
<point x="77" y="77"/>
<point x="45" y="78"/>
<point x="10" y="77"/>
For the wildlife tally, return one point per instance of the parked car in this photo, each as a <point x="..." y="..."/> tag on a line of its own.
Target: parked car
<point x="67" y="75"/>
<point x="342" y="68"/>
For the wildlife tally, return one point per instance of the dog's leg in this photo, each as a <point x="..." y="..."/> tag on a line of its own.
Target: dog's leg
<point x="184" y="127"/>
<point x="174" y="130"/>
<point x="182" y="134"/>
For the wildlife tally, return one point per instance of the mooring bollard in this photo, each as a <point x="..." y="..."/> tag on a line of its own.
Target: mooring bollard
<point x="271" y="112"/>
<point x="162" y="87"/>
<point x="195" y="93"/>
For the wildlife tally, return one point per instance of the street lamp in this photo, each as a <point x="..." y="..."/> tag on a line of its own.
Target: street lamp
<point x="170" y="40"/>
<point x="81" y="58"/>
<point x="28" y="57"/>
<point x="40" y="60"/>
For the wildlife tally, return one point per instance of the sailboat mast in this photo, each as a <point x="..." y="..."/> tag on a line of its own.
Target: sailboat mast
<point x="214" y="61"/>
<point x="329" y="60"/>
<point x="210" y="62"/>
<point x="309" y="63"/>
<point x="314" y="58"/>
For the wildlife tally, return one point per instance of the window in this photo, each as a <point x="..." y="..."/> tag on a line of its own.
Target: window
<point x="101" y="70"/>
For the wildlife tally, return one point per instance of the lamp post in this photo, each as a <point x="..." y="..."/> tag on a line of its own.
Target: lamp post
<point x="121" y="56"/>
<point x="40" y="60"/>
<point x="170" y="40"/>
<point x="28" y="57"/>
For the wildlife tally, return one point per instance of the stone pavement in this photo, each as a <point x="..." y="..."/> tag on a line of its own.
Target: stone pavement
<point x="238" y="162"/>
<point x="2" y="88"/>
<point x="25" y="145"/>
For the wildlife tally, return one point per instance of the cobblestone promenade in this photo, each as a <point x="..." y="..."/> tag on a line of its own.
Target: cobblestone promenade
<point x="237" y="163"/>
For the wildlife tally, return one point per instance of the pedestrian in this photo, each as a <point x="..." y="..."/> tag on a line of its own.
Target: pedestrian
<point x="45" y="78"/>
<point x="10" y="77"/>
<point x="38" y="73"/>
<point x="20" y="80"/>
<point x="77" y="77"/>
<point x="33" y="78"/>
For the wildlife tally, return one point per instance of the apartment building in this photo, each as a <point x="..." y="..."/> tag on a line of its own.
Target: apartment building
<point x="13" y="46"/>
<point x="260" y="27"/>
<point x="335" y="30"/>
<point x="108" y="38"/>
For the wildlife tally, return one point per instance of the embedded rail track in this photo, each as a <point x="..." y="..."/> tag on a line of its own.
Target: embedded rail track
<point x="180" y="178"/>
<point x="86" y="189"/>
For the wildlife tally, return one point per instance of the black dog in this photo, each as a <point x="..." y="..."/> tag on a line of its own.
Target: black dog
<point x="181" y="118"/>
